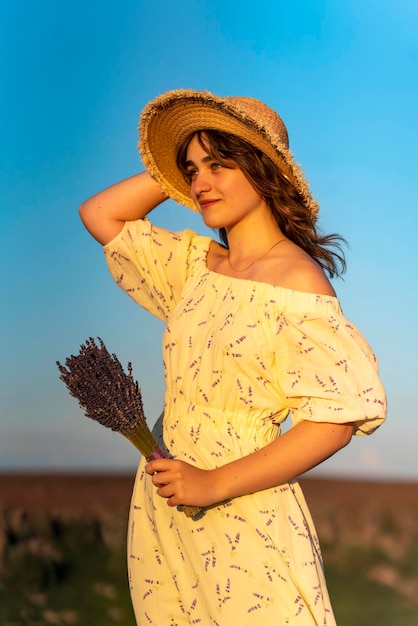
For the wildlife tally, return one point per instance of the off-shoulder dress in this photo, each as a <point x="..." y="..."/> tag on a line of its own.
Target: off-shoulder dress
<point x="239" y="357"/>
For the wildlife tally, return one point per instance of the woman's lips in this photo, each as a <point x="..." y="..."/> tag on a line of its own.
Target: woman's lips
<point x="205" y="204"/>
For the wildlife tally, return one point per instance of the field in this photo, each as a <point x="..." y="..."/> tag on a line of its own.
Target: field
<point x="62" y="549"/>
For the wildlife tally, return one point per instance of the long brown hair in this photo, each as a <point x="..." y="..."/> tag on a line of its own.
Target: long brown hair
<point x="284" y="201"/>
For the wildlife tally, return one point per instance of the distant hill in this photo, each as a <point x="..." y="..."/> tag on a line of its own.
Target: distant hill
<point x="85" y="491"/>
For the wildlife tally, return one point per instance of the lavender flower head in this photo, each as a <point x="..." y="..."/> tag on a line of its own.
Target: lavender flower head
<point x="106" y="393"/>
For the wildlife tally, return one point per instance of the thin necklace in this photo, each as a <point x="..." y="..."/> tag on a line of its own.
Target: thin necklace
<point x="256" y="260"/>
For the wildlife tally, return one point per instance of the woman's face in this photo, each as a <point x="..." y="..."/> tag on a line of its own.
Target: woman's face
<point x="223" y="195"/>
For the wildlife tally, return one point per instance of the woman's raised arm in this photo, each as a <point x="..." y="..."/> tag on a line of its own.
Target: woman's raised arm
<point x="105" y="213"/>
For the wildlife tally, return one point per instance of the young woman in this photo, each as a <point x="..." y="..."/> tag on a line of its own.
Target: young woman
<point x="253" y="333"/>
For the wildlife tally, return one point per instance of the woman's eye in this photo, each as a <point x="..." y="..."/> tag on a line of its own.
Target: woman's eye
<point x="215" y="165"/>
<point x="191" y="174"/>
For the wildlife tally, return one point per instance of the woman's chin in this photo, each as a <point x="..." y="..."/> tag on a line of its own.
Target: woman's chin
<point x="212" y="222"/>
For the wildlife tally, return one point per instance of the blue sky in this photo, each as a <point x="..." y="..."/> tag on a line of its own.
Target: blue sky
<point x="75" y="76"/>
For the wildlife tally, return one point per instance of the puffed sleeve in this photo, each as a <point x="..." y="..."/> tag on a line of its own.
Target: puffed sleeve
<point x="150" y="264"/>
<point x="327" y="371"/>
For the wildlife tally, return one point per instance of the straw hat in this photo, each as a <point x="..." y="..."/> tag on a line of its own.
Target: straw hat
<point x="176" y="115"/>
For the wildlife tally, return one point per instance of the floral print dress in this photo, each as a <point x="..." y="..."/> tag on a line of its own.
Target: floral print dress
<point x="239" y="356"/>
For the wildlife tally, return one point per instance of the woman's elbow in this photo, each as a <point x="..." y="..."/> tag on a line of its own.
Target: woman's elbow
<point x="101" y="227"/>
<point x="88" y="216"/>
<point x="86" y="211"/>
<point x="346" y="434"/>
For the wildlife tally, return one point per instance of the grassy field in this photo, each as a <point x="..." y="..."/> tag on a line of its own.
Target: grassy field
<point x="360" y="602"/>
<point x="67" y="565"/>
<point x="76" y="578"/>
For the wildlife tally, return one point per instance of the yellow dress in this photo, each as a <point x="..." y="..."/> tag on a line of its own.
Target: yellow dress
<point x="239" y="356"/>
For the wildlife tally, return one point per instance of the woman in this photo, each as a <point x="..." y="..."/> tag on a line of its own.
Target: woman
<point x="254" y="333"/>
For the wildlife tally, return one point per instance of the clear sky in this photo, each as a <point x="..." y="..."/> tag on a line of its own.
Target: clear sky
<point x="74" y="77"/>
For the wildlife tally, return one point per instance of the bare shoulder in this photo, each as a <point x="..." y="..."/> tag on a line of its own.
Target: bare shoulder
<point x="306" y="275"/>
<point x="300" y="272"/>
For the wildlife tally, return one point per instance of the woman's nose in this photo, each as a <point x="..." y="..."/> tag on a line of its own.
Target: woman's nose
<point x="200" y="183"/>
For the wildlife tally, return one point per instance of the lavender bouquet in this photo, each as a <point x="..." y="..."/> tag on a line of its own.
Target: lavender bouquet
<point x="112" y="398"/>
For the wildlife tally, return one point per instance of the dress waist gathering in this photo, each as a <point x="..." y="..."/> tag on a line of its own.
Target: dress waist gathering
<point x="218" y="435"/>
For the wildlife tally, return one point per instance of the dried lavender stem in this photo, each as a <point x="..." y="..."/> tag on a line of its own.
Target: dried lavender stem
<point x="142" y="440"/>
